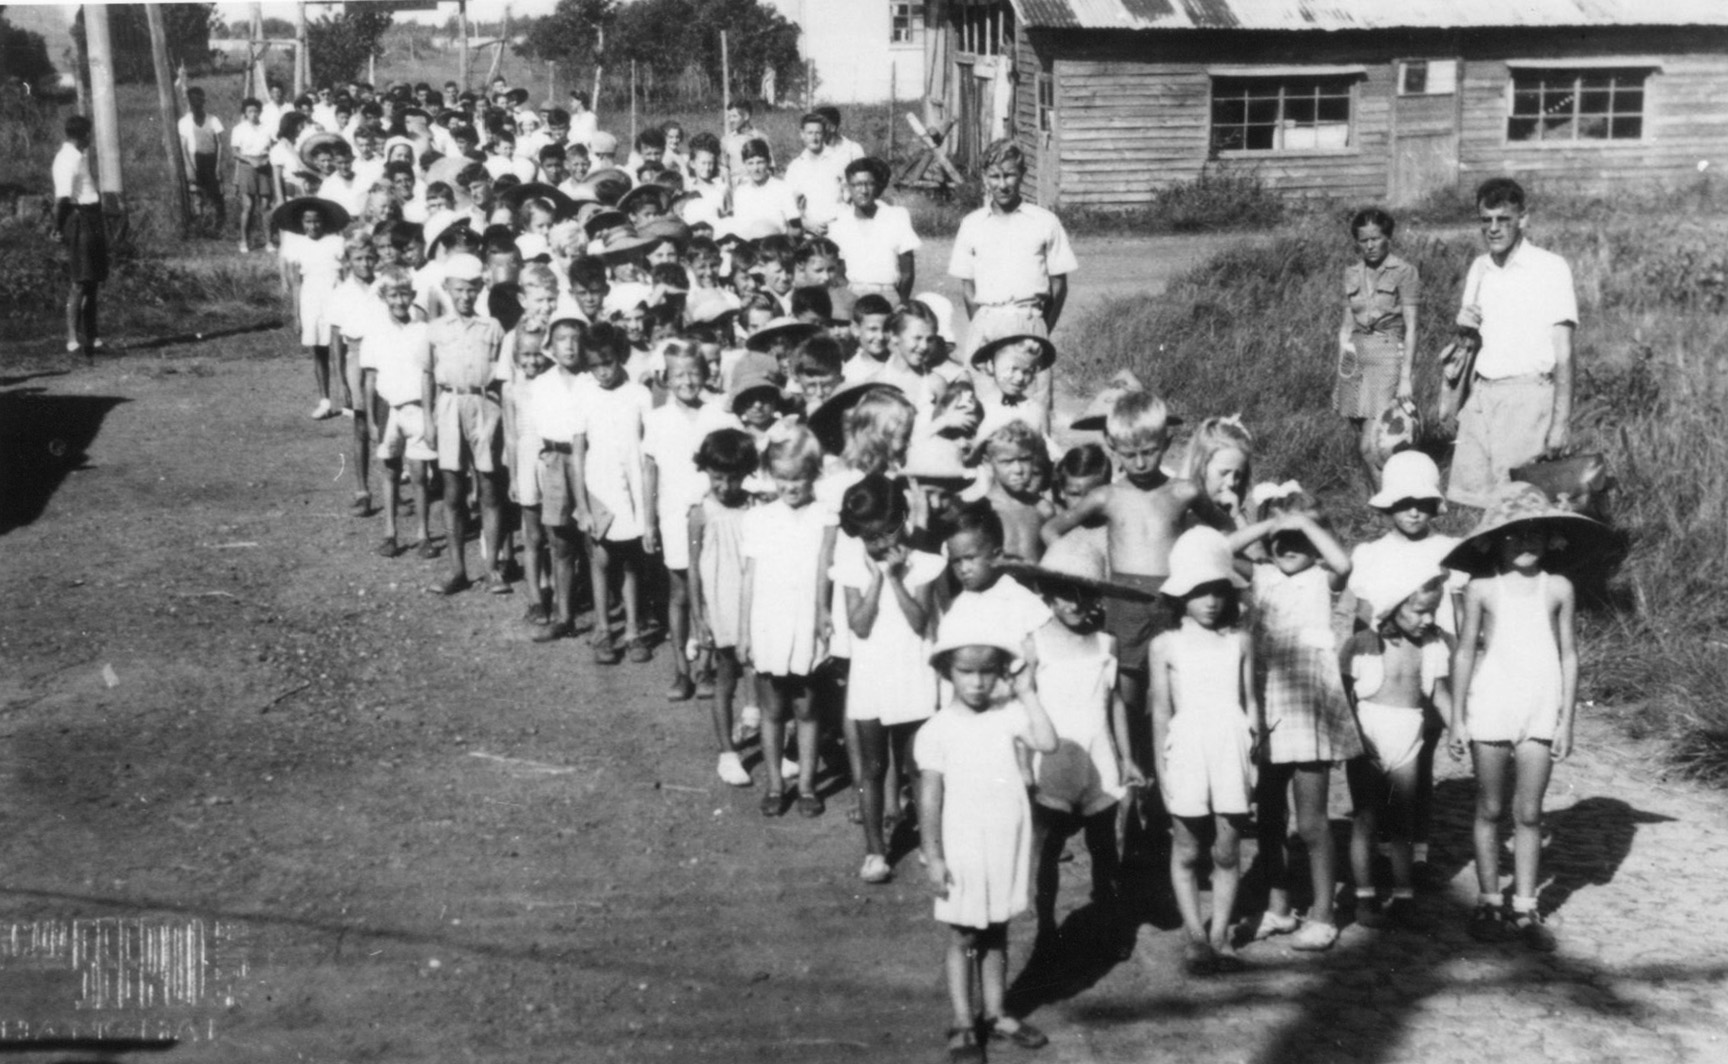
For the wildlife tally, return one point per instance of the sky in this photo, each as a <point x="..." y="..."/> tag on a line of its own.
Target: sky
<point x="487" y="10"/>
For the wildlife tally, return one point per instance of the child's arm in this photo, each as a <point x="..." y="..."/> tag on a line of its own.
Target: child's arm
<point x="1132" y="776"/>
<point x="339" y="357"/>
<point x="369" y="401"/>
<point x="1251" y="700"/>
<point x="1406" y="366"/>
<point x="695" y="525"/>
<point x="1248" y="535"/>
<point x="825" y="587"/>
<point x="1463" y="665"/>
<point x="893" y="569"/>
<point x="1094" y="504"/>
<point x="744" y="611"/>
<point x="581" y="509"/>
<point x="1159" y="699"/>
<point x="429" y="405"/>
<point x="1042" y="737"/>
<point x="651" y="509"/>
<point x="1565" y="618"/>
<point x="930" y="830"/>
<point x="1346" y="330"/>
<point x="1332" y="552"/>
<point x="861" y="605"/>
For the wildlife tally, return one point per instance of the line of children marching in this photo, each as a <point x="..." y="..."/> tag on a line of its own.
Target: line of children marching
<point x="822" y="516"/>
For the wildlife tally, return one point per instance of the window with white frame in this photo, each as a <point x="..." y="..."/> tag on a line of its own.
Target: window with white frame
<point x="906" y="18"/>
<point x="1285" y="113"/>
<point x="1046" y="101"/>
<point x="1567" y="106"/>
<point x="1428" y="77"/>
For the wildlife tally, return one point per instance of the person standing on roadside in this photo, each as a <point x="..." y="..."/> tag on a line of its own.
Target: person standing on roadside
<point x="1520" y="299"/>
<point x="78" y="221"/>
<point x="201" y="141"/>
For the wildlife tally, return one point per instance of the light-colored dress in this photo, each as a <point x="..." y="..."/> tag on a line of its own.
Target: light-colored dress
<point x="786" y="545"/>
<point x="1208" y="769"/>
<point x="1307" y="716"/>
<point x="986" y="818"/>
<point x="1515" y="688"/>
<point x="891" y="679"/>
<point x="1082" y="774"/>
<point x="611" y="420"/>
<point x="721" y="569"/>
<point x="672" y="435"/>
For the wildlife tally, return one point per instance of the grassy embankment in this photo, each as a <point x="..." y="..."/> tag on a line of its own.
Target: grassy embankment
<point x="1254" y="330"/>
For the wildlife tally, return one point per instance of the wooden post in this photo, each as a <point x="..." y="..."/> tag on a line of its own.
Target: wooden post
<point x="170" y="114"/>
<point x="302" y="64"/>
<point x="462" y="50"/>
<point x="552" y="82"/>
<point x="725" y="81"/>
<point x="372" y="67"/>
<point x="893" y="105"/>
<point x="632" y="103"/>
<point x="594" y="100"/>
<point x="809" y="84"/>
<point x="83" y="73"/>
<point x="260" y="79"/>
<point x="105" y="112"/>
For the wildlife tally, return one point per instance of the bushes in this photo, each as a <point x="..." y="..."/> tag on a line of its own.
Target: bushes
<point x="1215" y="201"/>
<point x="1254" y="331"/>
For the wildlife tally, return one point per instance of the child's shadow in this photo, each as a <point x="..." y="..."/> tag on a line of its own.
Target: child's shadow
<point x="1089" y="943"/>
<point x="1589" y="841"/>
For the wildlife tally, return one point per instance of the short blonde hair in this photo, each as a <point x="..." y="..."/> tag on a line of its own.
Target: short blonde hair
<point x="1136" y="416"/>
<point x="540" y="277"/>
<point x="793" y="444"/>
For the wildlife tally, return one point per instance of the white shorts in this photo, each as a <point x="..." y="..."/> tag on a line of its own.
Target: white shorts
<point x="314" y="330"/>
<point x="1079" y="777"/>
<point x="405" y="435"/>
<point x="1208" y="770"/>
<point x="1391" y="734"/>
<point x="525" y="471"/>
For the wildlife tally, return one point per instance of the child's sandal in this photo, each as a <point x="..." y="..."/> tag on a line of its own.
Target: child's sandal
<point x="1021" y="1034"/>
<point x="963" y="1047"/>
<point x="811" y="806"/>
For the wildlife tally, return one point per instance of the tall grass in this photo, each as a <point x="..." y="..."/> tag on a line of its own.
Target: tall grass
<point x="1254" y="331"/>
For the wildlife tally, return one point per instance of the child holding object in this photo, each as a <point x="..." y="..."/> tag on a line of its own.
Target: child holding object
<point x="1206" y="725"/>
<point x="1395" y="674"/>
<point x="1514" y="700"/>
<point x="1308" y="723"/>
<point x="977" y="823"/>
<point x="716" y="530"/>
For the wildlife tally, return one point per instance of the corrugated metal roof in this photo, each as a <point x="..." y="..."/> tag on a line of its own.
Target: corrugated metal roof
<point x="1363" y="14"/>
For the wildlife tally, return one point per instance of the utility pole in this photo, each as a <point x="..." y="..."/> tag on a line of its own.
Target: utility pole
<point x="462" y="52"/>
<point x="105" y="115"/>
<point x="302" y="64"/>
<point x="165" y="103"/>
<point x="260" y="82"/>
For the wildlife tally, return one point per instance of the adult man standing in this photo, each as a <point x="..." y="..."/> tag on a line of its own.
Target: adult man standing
<point x="1520" y="298"/>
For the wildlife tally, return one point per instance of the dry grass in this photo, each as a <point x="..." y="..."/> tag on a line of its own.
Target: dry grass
<point x="1254" y="331"/>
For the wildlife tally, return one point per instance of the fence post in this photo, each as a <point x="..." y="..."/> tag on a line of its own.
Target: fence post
<point x="170" y="114"/>
<point x="632" y="103"/>
<point x="302" y="67"/>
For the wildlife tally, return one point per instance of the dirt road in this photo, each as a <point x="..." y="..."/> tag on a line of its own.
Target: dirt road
<point x="260" y="793"/>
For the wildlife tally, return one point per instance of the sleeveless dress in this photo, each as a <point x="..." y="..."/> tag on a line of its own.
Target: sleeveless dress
<point x="1082" y="774"/>
<point x="721" y="569"/>
<point x="1307" y="716"/>
<point x="1206" y="753"/>
<point x="1515" y="690"/>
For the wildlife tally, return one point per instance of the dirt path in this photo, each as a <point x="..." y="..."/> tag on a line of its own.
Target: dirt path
<point x="339" y="819"/>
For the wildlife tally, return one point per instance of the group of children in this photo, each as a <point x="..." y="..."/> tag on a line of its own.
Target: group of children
<point x="837" y="531"/>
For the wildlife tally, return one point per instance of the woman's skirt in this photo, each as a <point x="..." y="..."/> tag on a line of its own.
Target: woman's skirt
<point x="1368" y="382"/>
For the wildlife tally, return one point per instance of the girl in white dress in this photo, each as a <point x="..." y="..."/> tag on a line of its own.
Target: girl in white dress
<point x="890" y="607"/>
<point x="788" y="550"/>
<point x="977" y="822"/>
<point x="1205" y="723"/>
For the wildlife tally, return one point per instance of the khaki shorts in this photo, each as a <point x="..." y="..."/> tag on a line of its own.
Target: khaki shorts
<point x="557" y="484"/>
<point x="468" y="423"/>
<point x="405" y="435"/>
<point x="1504" y="424"/>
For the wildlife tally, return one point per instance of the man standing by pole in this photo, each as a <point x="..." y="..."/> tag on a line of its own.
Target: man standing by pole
<point x="1520" y="297"/>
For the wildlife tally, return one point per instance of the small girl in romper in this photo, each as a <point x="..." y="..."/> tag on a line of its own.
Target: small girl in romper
<point x="977" y="823"/>
<point x="1309" y="727"/>
<point x="1515" y="686"/>
<point x="1205" y="724"/>
<point x="716" y="530"/>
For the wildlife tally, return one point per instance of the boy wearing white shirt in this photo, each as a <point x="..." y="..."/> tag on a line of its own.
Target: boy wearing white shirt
<point x="78" y="220"/>
<point x="816" y="177"/>
<point x="875" y="239"/>
<point x="554" y="402"/>
<point x="250" y="142"/>
<point x="201" y="141"/>
<point x="394" y="358"/>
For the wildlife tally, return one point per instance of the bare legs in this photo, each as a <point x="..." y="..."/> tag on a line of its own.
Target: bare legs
<point x="1528" y="764"/>
<point x="1309" y="780"/>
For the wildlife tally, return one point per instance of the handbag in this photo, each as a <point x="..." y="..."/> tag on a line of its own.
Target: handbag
<point x="1578" y="483"/>
<point x="1457" y="369"/>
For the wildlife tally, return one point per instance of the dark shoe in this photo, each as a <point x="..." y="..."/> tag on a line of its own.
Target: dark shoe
<point x="682" y="690"/>
<point x="705" y="684"/>
<point x="1485" y="924"/>
<point x="1021" y="1034"/>
<point x="1371" y="914"/>
<point x="427" y="550"/>
<point x="387" y="547"/>
<point x="361" y="506"/>
<point x="538" y="614"/>
<point x="607" y="653"/>
<point x="499" y="584"/>
<point x="640" y="651"/>
<point x="546" y="633"/>
<point x="451" y="586"/>
<point x="773" y="803"/>
<point x="1534" y="931"/>
<point x="963" y="1047"/>
<point x="811" y="806"/>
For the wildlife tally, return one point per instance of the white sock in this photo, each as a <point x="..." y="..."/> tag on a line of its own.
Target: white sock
<point x="1522" y="904"/>
<point x="1419" y="852"/>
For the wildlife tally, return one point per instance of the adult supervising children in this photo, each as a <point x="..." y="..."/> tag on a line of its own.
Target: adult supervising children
<point x="1520" y="297"/>
<point x="78" y="220"/>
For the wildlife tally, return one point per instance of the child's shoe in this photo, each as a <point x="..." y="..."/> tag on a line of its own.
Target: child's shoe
<point x="811" y="806"/>
<point x="1008" y="1029"/>
<point x="1314" y="937"/>
<point x="773" y="803"/>
<point x="732" y="771"/>
<point x="360" y="505"/>
<point x="607" y="653"/>
<point x="427" y="550"/>
<point x="322" y="410"/>
<point x="682" y="689"/>
<point x="1273" y="924"/>
<point x="705" y="684"/>
<point x="538" y="614"/>
<point x="875" y="868"/>
<point x="387" y="547"/>
<point x="749" y="724"/>
<point x="1370" y="913"/>
<point x="1535" y="932"/>
<point x="963" y="1047"/>
<point x="552" y="631"/>
<point x="640" y="651"/>
<point x="1485" y="924"/>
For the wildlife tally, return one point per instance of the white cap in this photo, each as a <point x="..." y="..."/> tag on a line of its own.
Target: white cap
<point x="943" y="308"/>
<point x="1200" y="556"/>
<point x="1415" y="571"/>
<point x="533" y="246"/>
<point x="1407" y="475"/>
<point x="972" y="628"/>
<point x="463" y="267"/>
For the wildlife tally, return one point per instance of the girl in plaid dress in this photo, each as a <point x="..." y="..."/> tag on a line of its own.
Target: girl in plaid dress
<point x="1309" y="726"/>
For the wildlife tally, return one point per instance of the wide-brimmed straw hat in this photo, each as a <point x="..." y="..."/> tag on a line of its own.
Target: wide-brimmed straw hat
<point x="603" y="219"/>
<point x="1575" y="540"/>
<point x="332" y="141"/>
<point x="287" y="217"/>
<point x="1200" y="556"/>
<point x="516" y="195"/>
<point x="447" y="170"/>
<point x="622" y="244"/>
<point x="1046" y="350"/>
<point x="707" y="305"/>
<point x="659" y="194"/>
<point x="1074" y="561"/>
<point x="608" y="184"/>
<point x="828" y="421"/>
<point x="791" y="330"/>
<point x="973" y="628"/>
<point x="1407" y="475"/>
<point x="1093" y="418"/>
<point x="937" y="460"/>
<point x="666" y="227"/>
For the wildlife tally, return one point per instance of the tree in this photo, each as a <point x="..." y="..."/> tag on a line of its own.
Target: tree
<point x="573" y="31"/>
<point x="340" y="44"/>
<point x="23" y="55"/>
<point x="188" y="27"/>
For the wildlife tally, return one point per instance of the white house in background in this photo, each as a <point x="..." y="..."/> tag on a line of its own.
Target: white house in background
<point x="864" y="50"/>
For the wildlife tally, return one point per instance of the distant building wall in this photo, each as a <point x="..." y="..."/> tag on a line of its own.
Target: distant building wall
<point x="851" y="43"/>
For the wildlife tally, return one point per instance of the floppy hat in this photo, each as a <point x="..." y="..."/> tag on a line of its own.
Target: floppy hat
<point x="790" y="330"/>
<point x="937" y="458"/>
<point x="331" y="141"/>
<point x="1200" y="556"/>
<point x="533" y="246"/>
<point x="446" y="170"/>
<point x="602" y="220"/>
<point x="1395" y="584"/>
<point x="603" y="143"/>
<point x="973" y="628"/>
<point x="516" y="195"/>
<point x="748" y="387"/>
<point x="287" y="217"/>
<point x="1407" y="475"/>
<point x="623" y="297"/>
<point x="609" y="184"/>
<point x="623" y="243"/>
<point x="1046" y="350"/>
<point x="708" y="305"/>
<point x="1097" y="412"/>
<point x="660" y="194"/>
<point x="665" y="227"/>
<point x="1075" y="561"/>
<point x="1519" y="505"/>
<point x="828" y="421"/>
<point x="447" y="232"/>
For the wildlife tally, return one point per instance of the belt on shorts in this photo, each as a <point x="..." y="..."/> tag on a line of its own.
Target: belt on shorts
<point x="411" y="402"/>
<point x="1032" y="303"/>
<point x="461" y="391"/>
<point x="556" y="447"/>
<point x="1545" y="377"/>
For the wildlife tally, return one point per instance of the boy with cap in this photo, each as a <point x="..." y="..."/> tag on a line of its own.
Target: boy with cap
<point x="460" y="389"/>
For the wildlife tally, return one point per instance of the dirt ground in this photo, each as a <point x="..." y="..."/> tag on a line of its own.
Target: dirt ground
<point x="261" y="794"/>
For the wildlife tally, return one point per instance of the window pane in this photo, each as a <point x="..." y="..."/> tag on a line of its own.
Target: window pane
<point x="1261" y="138"/>
<point x="1262" y="110"/>
<point x="1592" y="127"/>
<point x="1229" y="112"/>
<point x="1335" y="109"/>
<point x="1229" y="138"/>
<point x="1521" y="129"/>
<point x="1594" y="101"/>
<point x="1627" y="128"/>
<point x="1415" y="77"/>
<point x="1629" y="101"/>
<point x="1300" y="111"/>
<point x="1526" y="102"/>
<point x="1596" y="81"/>
<point x="1557" y="128"/>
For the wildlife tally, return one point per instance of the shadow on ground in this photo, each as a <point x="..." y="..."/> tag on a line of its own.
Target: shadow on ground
<point x="43" y="438"/>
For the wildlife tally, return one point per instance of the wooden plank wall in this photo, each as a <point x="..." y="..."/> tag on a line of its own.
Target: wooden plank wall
<point x="1025" y="115"/>
<point x="1134" y="109"/>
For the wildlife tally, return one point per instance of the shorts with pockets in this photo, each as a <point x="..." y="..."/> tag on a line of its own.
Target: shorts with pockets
<point x="471" y="421"/>
<point x="405" y="435"/>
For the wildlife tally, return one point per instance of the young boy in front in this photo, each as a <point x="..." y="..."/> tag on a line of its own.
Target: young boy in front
<point x="1018" y="459"/>
<point x="554" y="400"/>
<point x="459" y="388"/>
<point x="869" y="359"/>
<point x="393" y="363"/>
